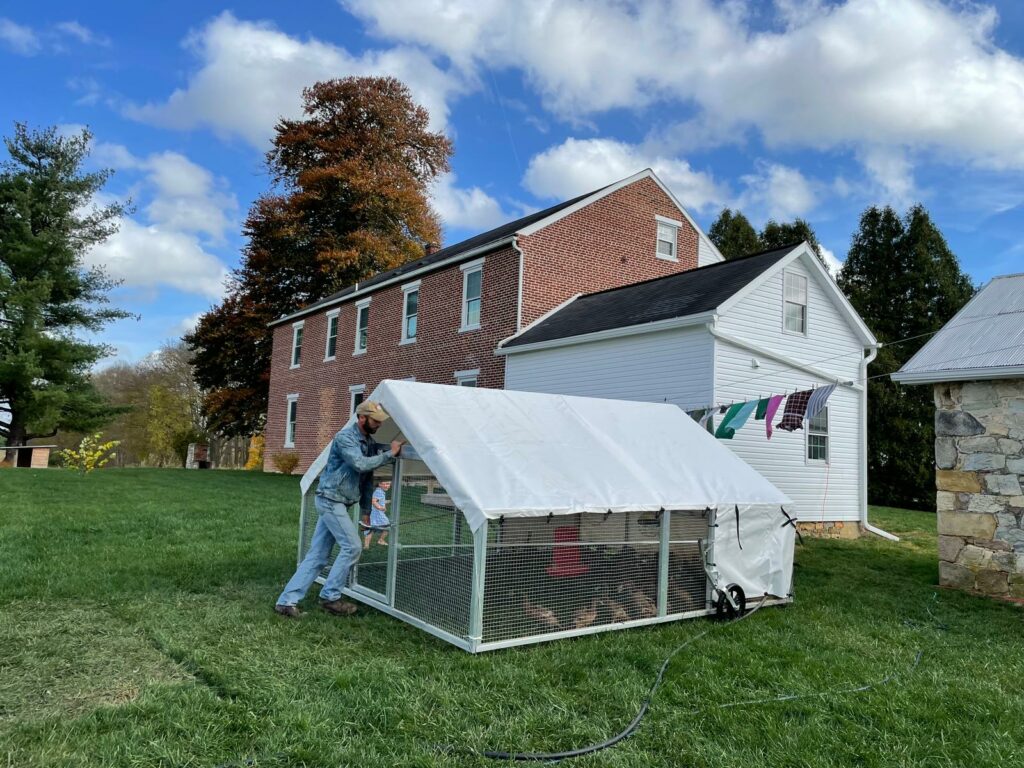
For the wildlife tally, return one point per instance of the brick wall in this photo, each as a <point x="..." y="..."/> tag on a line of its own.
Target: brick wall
<point x="439" y="351"/>
<point x="609" y="243"/>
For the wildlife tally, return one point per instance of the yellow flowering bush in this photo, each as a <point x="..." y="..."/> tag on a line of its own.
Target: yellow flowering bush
<point x="91" y="454"/>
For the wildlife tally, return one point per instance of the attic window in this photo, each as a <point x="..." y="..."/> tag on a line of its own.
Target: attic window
<point x="795" y="303"/>
<point x="668" y="238"/>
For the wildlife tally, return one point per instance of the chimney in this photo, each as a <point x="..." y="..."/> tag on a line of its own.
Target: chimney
<point x="429" y="248"/>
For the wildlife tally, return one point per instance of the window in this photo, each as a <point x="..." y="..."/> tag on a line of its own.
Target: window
<point x="362" y="326"/>
<point x="795" y="303"/>
<point x="472" y="287"/>
<point x="467" y="378"/>
<point x="332" y="335"/>
<point x="817" y="437"/>
<point x="668" y="231"/>
<point x="297" y="343"/>
<point x="291" y="417"/>
<point x="410" y="311"/>
<point x="357" y="393"/>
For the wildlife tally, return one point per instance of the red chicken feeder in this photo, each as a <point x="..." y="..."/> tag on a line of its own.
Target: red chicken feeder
<point x="565" y="559"/>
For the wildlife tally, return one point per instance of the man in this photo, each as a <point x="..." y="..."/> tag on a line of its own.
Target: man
<point x="346" y="479"/>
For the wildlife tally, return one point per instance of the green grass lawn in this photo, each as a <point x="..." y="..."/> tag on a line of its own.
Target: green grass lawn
<point x="136" y="630"/>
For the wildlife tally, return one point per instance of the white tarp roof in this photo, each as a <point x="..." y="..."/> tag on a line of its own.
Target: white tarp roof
<point x="526" y="454"/>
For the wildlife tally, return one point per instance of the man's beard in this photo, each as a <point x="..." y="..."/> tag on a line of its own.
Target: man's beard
<point x="370" y="428"/>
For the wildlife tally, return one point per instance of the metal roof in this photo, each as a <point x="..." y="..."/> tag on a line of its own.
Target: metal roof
<point x="984" y="340"/>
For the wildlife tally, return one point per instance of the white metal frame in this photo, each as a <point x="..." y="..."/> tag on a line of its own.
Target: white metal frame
<point x="662" y="221"/>
<point x="360" y="306"/>
<point x="334" y="316"/>
<point x="407" y="290"/>
<point x="297" y="334"/>
<point x="828" y="440"/>
<point x="468" y="269"/>
<point x="289" y="423"/>
<point x="786" y="274"/>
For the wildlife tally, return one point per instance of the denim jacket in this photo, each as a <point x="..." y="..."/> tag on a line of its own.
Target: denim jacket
<point x="348" y="476"/>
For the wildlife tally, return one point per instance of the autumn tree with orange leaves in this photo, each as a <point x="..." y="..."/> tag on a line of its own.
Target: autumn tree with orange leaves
<point x="349" y="199"/>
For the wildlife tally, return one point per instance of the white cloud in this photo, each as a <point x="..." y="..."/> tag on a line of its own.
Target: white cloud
<point x="81" y="33"/>
<point x="912" y="73"/>
<point x="151" y="256"/>
<point x="777" y="191"/>
<point x="465" y="208"/>
<point x="188" y="324"/>
<point x="581" y="165"/>
<point x="251" y="74"/>
<point x="833" y="264"/>
<point x="18" y="38"/>
<point x="892" y="173"/>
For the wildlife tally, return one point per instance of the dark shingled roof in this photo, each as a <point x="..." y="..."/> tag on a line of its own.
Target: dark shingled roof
<point x="684" y="293"/>
<point x="484" y="238"/>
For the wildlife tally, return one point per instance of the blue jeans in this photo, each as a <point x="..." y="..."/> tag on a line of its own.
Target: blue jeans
<point x="333" y="525"/>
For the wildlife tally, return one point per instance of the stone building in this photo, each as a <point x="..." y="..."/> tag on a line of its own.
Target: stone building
<point x="976" y="367"/>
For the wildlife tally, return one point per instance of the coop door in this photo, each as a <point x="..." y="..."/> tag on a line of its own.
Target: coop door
<point x="370" y="576"/>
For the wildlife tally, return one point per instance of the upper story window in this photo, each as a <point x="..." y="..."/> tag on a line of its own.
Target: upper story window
<point x="467" y="378"/>
<point x="332" y="335"/>
<point x="356" y="393"/>
<point x="668" y="238"/>
<point x="362" y="325"/>
<point x="297" y="343"/>
<point x="795" y="303"/>
<point x="410" y="311"/>
<point x="292" y="417"/>
<point x="472" y="291"/>
<point x="817" y="437"/>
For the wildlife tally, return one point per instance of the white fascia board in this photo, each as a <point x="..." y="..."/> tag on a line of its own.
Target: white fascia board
<point x="803" y="251"/>
<point x="486" y="248"/>
<point x="967" y="374"/>
<point x="825" y="375"/>
<point x="613" y="333"/>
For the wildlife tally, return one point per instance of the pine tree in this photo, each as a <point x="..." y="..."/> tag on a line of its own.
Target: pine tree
<point x="904" y="281"/>
<point x="733" y="235"/>
<point x="48" y="220"/>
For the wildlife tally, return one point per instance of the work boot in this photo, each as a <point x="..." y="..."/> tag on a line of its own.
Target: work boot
<point x="338" y="607"/>
<point x="288" y="611"/>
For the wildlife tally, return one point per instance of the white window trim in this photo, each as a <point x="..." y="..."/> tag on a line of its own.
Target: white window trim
<point x="406" y="290"/>
<point x="334" y="314"/>
<point x="296" y="327"/>
<point x="355" y="389"/>
<point x="355" y="344"/>
<point x="461" y="376"/>
<point x="289" y="426"/>
<point x="675" y="241"/>
<point x="827" y="461"/>
<point x="467" y="269"/>
<point x="807" y="301"/>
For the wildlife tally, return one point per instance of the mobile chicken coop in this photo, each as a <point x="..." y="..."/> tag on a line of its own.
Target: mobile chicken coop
<point x="519" y="517"/>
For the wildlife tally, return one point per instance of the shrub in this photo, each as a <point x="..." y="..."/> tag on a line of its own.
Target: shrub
<point x="286" y="461"/>
<point x="91" y="454"/>
<point x="255" y="458"/>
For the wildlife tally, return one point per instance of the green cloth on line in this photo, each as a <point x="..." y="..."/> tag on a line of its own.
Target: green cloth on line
<point x="762" y="409"/>
<point x="729" y="416"/>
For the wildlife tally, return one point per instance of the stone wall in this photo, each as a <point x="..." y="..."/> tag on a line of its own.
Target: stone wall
<point x="979" y="459"/>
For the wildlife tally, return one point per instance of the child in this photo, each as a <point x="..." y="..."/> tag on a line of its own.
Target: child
<point x="378" y="515"/>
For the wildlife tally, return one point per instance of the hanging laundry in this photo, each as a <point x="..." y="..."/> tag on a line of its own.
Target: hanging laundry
<point x="730" y="414"/>
<point x="698" y="414"/>
<point x="762" y="408"/>
<point x="705" y="420"/>
<point x="796" y="407"/>
<point x="773" y="406"/>
<point x="818" y="399"/>
<point x="727" y="430"/>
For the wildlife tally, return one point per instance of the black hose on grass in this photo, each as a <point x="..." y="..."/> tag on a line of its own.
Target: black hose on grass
<point x="635" y="723"/>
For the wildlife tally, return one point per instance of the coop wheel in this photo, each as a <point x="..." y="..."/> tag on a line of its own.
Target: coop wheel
<point x="724" y="610"/>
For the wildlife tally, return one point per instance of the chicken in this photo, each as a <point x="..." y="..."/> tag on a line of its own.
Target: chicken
<point x="584" y="617"/>
<point x="540" y="614"/>
<point x="617" y="612"/>
<point x="643" y="605"/>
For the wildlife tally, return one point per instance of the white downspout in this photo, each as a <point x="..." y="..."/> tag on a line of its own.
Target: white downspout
<point x="519" y="294"/>
<point x="864" y="451"/>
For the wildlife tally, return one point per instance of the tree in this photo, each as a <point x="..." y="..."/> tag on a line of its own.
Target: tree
<point x="48" y="220"/>
<point x="733" y="235"/>
<point x="776" y="235"/>
<point x="902" y="278"/>
<point x="350" y="199"/>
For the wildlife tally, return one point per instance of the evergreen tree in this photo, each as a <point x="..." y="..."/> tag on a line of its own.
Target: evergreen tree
<point x="776" y="235"/>
<point x="733" y="235"/>
<point x="902" y="278"/>
<point x="48" y="220"/>
<point x="351" y="200"/>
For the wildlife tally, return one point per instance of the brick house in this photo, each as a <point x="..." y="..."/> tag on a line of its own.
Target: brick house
<point x="441" y="318"/>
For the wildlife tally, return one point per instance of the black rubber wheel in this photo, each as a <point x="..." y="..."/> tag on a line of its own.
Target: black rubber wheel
<point x="724" y="610"/>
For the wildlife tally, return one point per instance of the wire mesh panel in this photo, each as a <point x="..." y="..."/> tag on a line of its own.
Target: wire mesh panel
<point x="569" y="572"/>
<point x="371" y="572"/>
<point x="687" y="580"/>
<point x="434" y="565"/>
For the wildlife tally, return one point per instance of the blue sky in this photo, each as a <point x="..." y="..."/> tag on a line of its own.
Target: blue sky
<point x="781" y="109"/>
